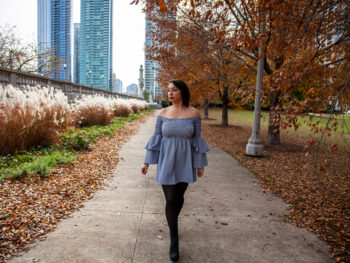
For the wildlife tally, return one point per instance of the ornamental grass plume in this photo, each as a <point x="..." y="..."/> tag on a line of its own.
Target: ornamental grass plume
<point x="143" y="105"/>
<point x="135" y="106"/>
<point x="31" y="116"/>
<point x="91" y="110"/>
<point x="138" y="105"/>
<point x="122" y="107"/>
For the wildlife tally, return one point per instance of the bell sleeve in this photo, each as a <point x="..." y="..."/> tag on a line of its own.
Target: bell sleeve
<point x="153" y="145"/>
<point x="200" y="147"/>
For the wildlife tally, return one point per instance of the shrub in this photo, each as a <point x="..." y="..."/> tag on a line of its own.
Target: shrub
<point x="31" y="116"/>
<point x="144" y="105"/>
<point x="165" y="103"/>
<point x="91" y="110"/>
<point x="138" y="105"/>
<point x="122" y="108"/>
<point x="135" y="108"/>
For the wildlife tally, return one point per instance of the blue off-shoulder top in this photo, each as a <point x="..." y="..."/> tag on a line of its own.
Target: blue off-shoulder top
<point x="177" y="148"/>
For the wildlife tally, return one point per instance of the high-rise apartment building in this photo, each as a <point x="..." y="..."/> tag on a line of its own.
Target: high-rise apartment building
<point x="96" y="43"/>
<point x="114" y="87"/>
<point x="61" y="28"/>
<point x="54" y="35"/>
<point x="132" y="89"/>
<point x="44" y="35"/>
<point x="119" y="85"/>
<point x="150" y="65"/>
<point x="76" y="57"/>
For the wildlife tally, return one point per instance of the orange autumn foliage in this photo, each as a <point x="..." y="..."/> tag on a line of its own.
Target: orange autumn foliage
<point x="212" y="42"/>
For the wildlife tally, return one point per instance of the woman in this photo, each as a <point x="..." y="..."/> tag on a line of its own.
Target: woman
<point x="179" y="150"/>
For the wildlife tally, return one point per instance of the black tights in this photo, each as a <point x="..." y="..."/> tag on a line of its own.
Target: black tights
<point x="174" y="195"/>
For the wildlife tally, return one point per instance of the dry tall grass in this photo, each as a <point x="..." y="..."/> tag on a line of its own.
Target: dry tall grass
<point x="91" y="110"/>
<point x="122" y="108"/>
<point x="138" y="105"/>
<point x="30" y="117"/>
<point x="34" y="116"/>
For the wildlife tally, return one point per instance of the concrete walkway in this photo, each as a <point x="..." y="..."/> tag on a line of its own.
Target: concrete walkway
<point x="226" y="218"/>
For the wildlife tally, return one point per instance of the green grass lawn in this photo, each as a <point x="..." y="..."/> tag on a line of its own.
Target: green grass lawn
<point x="243" y="117"/>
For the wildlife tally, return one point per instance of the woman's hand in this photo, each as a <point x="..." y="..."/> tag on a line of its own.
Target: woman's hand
<point x="200" y="172"/>
<point x="144" y="168"/>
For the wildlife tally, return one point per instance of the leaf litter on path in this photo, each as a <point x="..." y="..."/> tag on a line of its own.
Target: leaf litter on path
<point x="31" y="207"/>
<point x="318" y="199"/>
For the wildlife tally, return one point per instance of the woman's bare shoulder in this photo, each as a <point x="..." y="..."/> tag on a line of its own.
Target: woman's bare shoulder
<point x="162" y="112"/>
<point x="194" y="112"/>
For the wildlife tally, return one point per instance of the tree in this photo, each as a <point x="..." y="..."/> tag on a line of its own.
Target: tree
<point x="304" y="40"/>
<point x="185" y="49"/>
<point x="146" y="95"/>
<point x="16" y="55"/>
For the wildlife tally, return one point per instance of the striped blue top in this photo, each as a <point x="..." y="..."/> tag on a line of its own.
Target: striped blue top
<point x="177" y="148"/>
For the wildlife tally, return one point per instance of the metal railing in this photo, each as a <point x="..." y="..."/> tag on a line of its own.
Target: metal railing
<point x="71" y="90"/>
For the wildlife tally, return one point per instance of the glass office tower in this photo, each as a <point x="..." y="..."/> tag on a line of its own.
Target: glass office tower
<point x="96" y="43"/>
<point x="44" y="35"/>
<point x="150" y="65"/>
<point x="54" y="35"/>
<point x="76" y="57"/>
<point x="61" y="28"/>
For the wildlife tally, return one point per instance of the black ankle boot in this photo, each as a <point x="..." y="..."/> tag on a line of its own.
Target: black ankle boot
<point x="174" y="245"/>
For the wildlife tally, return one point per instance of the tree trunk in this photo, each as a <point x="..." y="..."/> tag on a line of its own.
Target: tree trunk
<point x="206" y="109"/>
<point x="225" y="101"/>
<point x="273" y="136"/>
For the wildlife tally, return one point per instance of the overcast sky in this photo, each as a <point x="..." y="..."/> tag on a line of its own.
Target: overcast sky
<point x="128" y="32"/>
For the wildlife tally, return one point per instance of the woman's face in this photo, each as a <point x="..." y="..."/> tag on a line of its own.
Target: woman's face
<point x="174" y="94"/>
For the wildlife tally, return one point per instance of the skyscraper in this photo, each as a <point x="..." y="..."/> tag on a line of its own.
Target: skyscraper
<point x="76" y="58"/>
<point x="96" y="43"/>
<point x="54" y="35"/>
<point x="44" y="34"/>
<point x="132" y="89"/>
<point x="119" y="85"/>
<point x="150" y="65"/>
<point x="61" y="28"/>
<point x="114" y="78"/>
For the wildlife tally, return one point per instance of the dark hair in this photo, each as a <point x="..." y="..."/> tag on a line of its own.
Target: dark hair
<point x="185" y="92"/>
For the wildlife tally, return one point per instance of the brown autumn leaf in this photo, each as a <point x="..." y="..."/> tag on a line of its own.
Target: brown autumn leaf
<point x="317" y="200"/>
<point x="334" y="147"/>
<point x="31" y="207"/>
